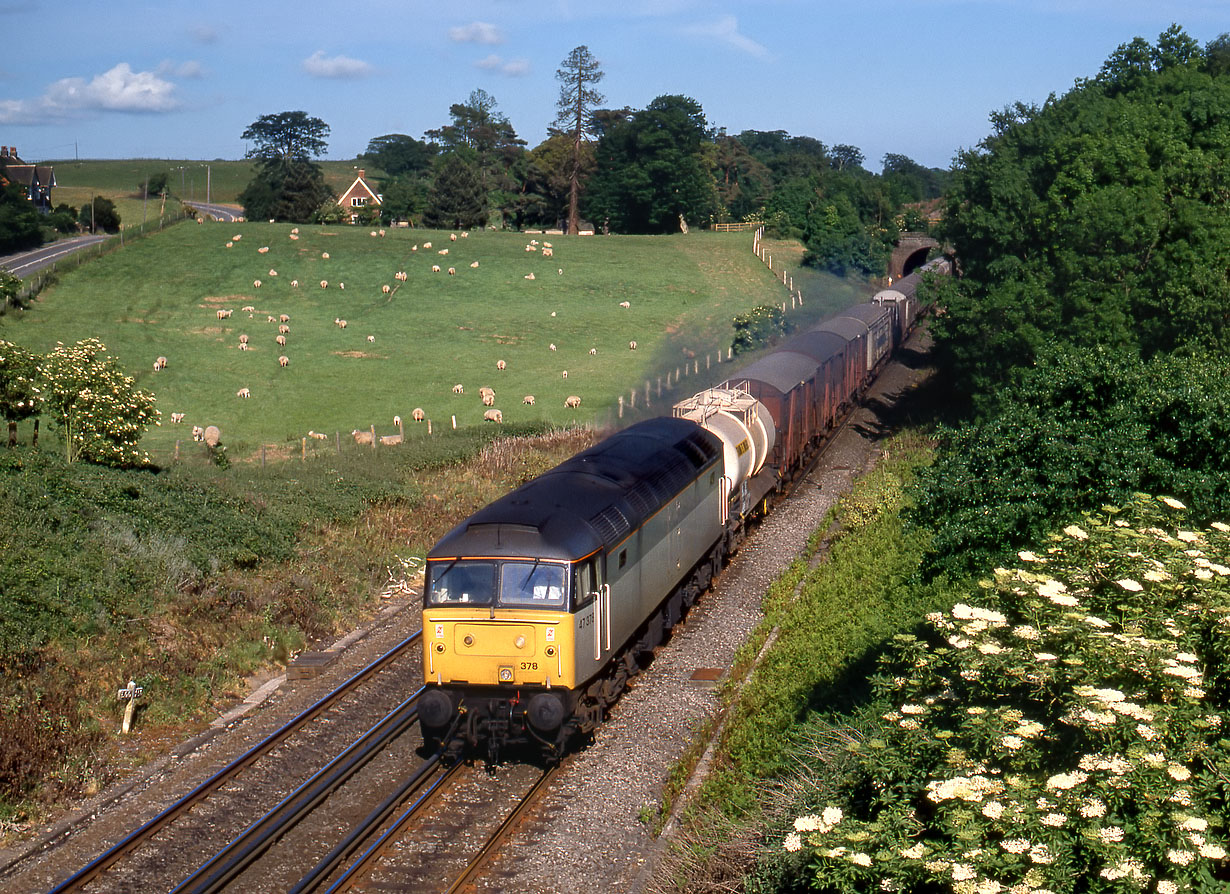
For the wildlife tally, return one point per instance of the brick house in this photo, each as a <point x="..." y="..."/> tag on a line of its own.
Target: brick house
<point x="359" y="196"/>
<point x="38" y="180"/>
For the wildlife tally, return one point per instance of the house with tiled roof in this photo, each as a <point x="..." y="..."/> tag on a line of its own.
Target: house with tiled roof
<point x="359" y="196"/>
<point x="38" y="180"/>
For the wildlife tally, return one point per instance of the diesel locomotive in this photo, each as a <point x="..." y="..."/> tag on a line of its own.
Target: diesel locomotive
<point x="540" y="606"/>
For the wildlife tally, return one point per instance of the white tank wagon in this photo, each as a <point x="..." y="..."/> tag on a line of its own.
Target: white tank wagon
<point x="744" y="426"/>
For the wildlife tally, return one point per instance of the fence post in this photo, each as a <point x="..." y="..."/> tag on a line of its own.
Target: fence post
<point x="338" y="437"/>
<point x="373" y="431"/>
<point x="304" y="447"/>
<point x="454" y="422"/>
<point x="621" y="406"/>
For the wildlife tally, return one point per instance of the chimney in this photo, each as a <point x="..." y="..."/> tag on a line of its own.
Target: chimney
<point x="361" y="173"/>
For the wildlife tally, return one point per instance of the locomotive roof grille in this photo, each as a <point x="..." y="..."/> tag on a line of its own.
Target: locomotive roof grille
<point x="611" y="524"/>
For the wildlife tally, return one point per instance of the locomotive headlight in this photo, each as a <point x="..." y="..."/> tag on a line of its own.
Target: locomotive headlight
<point x="550" y="651"/>
<point x="519" y="642"/>
<point x="506" y="675"/>
<point x="440" y="647"/>
<point x="469" y="640"/>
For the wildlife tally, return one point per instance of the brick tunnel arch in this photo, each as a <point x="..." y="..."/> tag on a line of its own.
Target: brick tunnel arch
<point x="910" y="253"/>
<point x="915" y="260"/>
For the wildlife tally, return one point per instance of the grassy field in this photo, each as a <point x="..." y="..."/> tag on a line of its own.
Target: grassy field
<point x="160" y="297"/>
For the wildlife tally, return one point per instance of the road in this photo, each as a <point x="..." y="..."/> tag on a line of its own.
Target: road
<point x="26" y="262"/>
<point x="225" y="213"/>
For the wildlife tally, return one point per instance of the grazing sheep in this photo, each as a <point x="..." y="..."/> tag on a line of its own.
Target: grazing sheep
<point x="485" y="390"/>
<point x="459" y="389"/>
<point x="361" y="437"/>
<point x="452" y="271"/>
<point x="547" y="253"/>
<point x="324" y="255"/>
<point x="593" y="352"/>
<point x="560" y="271"/>
<point x="500" y="365"/>
<point x="295" y="231"/>
<point x="284" y="361"/>
<point x="341" y="324"/>
<point x="474" y="264"/>
<point x="324" y="283"/>
<point x="373" y="233"/>
<point x="162" y="362"/>
<point x="230" y="245"/>
<point x="530" y="248"/>
<point x="244" y="346"/>
<point x="156" y="366"/>
<point x="318" y="435"/>
<point x="264" y="249"/>
<point x="382" y="234"/>
<point x="256" y="283"/>
<point x="493" y="416"/>
<point x="625" y="304"/>
<point x="435" y="268"/>
<point x="248" y="308"/>
<point x="283" y="318"/>
<point x="417" y="414"/>
<point x="426" y="245"/>
<point x="442" y="251"/>
<point x="533" y="242"/>
<point x="177" y="418"/>
<point x="237" y="236"/>
<point x="294" y="283"/>
<point x="401" y="276"/>
<point x="565" y="374"/>
<point x="243" y="339"/>
<point x="284" y="329"/>
<point x="212" y="435"/>
<point x="294" y="236"/>
<point x="528" y="400"/>
<point x="272" y="272"/>
<point x="530" y="276"/>
<point x="488" y="400"/>
<point x="552" y="346"/>
<point x="198" y="433"/>
<point x="386" y="288"/>
<point x="371" y="339"/>
<point x="244" y="393"/>
<point x="452" y="237"/>
<point x="572" y="402"/>
<point x="465" y="235"/>
<point x="342" y="286"/>
<point x="389" y="440"/>
<point x="223" y="314"/>
<point x="281" y="340"/>
<point x="414" y="248"/>
<point x="632" y="345"/>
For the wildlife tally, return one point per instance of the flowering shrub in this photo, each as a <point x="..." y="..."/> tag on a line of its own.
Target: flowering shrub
<point x="1063" y="732"/>
<point x="18" y="394"/>
<point x="100" y="414"/>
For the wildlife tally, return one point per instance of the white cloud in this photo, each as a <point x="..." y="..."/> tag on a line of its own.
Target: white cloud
<point x="476" y="32"/>
<point x="204" y="33"/>
<point x="118" y="90"/>
<point x="320" y="66"/>
<point x="726" y="30"/>
<point x="188" y="70"/>
<point x="513" y="68"/>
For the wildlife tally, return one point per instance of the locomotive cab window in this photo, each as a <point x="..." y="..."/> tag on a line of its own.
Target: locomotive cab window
<point x="461" y="583"/>
<point x="586" y="579"/>
<point x="532" y="584"/>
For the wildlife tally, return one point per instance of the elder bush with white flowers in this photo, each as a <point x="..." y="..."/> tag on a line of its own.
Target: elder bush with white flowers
<point x="100" y="413"/>
<point x="1063" y="731"/>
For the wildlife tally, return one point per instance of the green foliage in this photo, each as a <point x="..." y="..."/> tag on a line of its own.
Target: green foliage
<point x="651" y="170"/>
<point x="19" y="394"/>
<point x="153" y="185"/>
<point x="19" y="220"/>
<point x="63" y="219"/>
<point x="286" y="137"/>
<point x="98" y="409"/>
<point x="284" y="190"/>
<point x="457" y="199"/>
<point x="98" y="214"/>
<point x="397" y="154"/>
<point x="1078" y="429"/>
<point x="10" y="285"/>
<point x="1062" y="729"/>
<point x="1098" y="218"/>
<point x="759" y="327"/>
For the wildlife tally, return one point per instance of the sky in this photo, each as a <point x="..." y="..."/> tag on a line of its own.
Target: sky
<point x="178" y="80"/>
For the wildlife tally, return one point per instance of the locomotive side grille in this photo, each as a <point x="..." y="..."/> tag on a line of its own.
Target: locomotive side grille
<point x="643" y="498"/>
<point x="670" y="477"/>
<point x="611" y="524"/>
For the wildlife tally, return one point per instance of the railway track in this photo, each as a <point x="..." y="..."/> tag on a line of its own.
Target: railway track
<point x="111" y="862"/>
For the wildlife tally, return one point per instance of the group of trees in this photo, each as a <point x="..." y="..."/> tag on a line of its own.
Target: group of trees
<point x="626" y="170"/>
<point x="1088" y="333"/>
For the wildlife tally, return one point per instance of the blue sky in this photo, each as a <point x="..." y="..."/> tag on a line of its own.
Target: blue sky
<point x="125" y="79"/>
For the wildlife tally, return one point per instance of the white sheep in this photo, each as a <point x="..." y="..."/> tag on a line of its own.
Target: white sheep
<point x="341" y="324"/>
<point x="244" y="393"/>
<point x="552" y="346"/>
<point x="244" y="346"/>
<point x="177" y="418"/>
<point x="528" y="400"/>
<point x="530" y="248"/>
<point x="324" y="255"/>
<point x="435" y="268"/>
<point x="459" y="389"/>
<point x="230" y="245"/>
<point x="484" y="390"/>
<point x="493" y="416"/>
<point x="530" y="276"/>
<point x="488" y="400"/>
<point x="342" y="286"/>
<point x="593" y="352"/>
<point x="386" y="288"/>
<point x="248" y="308"/>
<point x="625" y="304"/>
<point x="284" y="329"/>
<point x="161" y="363"/>
<point x="547" y="253"/>
<point x="371" y="339"/>
<point x="442" y="251"/>
<point x="474" y="265"/>
<point x="318" y="436"/>
<point x="324" y="283"/>
<point x="283" y="361"/>
<point x="546" y="245"/>
<point x="452" y="237"/>
<point x="272" y="272"/>
<point x="452" y="271"/>
<point x="283" y="318"/>
<point x="269" y="318"/>
<point x="373" y="233"/>
<point x="390" y="440"/>
<point x="361" y="437"/>
<point x="632" y="345"/>
<point x="281" y="340"/>
<point x="295" y="231"/>
<point x="198" y="433"/>
<point x="243" y="339"/>
<point x="237" y="236"/>
<point x="417" y="414"/>
<point x="501" y="365"/>
<point x="264" y="249"/>
<point x="572" y="402"/>
<point x="223" y="313"/>
<point x="426" y="245"/>
<point x="565" y="374"/>
<point x="294" y="283"/>
<point x="465" y="235"/>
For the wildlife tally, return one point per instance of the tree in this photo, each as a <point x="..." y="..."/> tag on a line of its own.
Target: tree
<point x="457" y="199"/>
<point x="100" y="413"/>
<point x="577" y="100"/>
<point x="846" y="156"/>
<point x="398" y="154"/>
<point x="19" y="220"/>
<point x="288" y="185"/>
<point x="100" y="214"/>
<point x="286" y="137"/>
<point x="477" y="126"/>
<point x="652" y="171"/>
<point x="153" y="185"/>
<point x="19" y="396"/>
